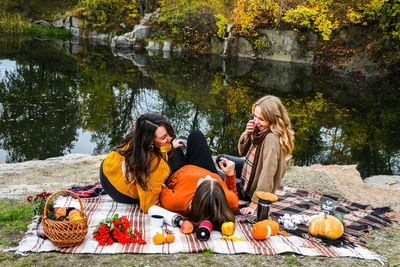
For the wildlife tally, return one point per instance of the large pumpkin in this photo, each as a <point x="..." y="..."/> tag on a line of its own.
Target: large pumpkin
<point x="274" y="226"/>
<point x="326" y="226"/>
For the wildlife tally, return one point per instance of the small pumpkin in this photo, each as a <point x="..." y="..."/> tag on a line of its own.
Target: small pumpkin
<point x="158" y="239"/>
<point x="326" y="226"/>
<point x="170" y="238"/>
<point x="267" y="196"/>
<point x="261" y="230"/>
<point x="60" y="212"/>
<point x="274" y="226"/>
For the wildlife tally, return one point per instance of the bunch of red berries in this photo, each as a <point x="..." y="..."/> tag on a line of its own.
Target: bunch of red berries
<point x="117" y="229"/>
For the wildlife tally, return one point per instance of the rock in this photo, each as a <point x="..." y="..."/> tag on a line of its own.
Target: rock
<point x="58" y="16"/>
<point x="57" y="23"/>
<point x="150" y="17"/>
<point x="384" y="181"/>
<point x="154" y="46"/>
<point x="217" y="46"/>
<point x="244" y="48"/>
<point x="99" y="36"/>
<point x="75" y="31"/>
<point x="284" y="46"/>
<point x="167" y="46"/>
<point x="122" y="41"/>
<point x="141" y="31"/>
<point x="42" y="23"/>
<point x="77" y="23"/>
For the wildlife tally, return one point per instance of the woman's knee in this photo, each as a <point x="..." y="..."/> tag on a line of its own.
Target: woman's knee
<point x="195" y="134"/>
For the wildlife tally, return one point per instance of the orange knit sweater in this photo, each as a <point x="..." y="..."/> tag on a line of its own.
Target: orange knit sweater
<point x="112" y="169"/>
<point x="178" y="193"/>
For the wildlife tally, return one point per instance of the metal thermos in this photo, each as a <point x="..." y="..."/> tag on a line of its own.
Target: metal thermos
<point x="203" y="233"/>
<point x="263" y="209"/>
<point x="170" y="218"/>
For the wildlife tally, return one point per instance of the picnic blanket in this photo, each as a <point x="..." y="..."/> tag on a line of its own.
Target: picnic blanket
<point x="101" y="207"/>
<point x="359" y="219"/>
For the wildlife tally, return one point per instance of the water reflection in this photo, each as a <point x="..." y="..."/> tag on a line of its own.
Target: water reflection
<point x="55" y="92"/>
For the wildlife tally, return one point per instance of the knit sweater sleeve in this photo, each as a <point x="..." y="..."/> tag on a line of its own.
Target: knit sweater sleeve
<point x="269" y="163"/>
<point x="151" y="196"/>
<point x="244" y="144"/>
<point x="231" y="194"/>
<point x="230" y="181"/>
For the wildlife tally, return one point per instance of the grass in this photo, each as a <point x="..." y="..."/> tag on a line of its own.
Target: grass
<point x="62" y="33"/>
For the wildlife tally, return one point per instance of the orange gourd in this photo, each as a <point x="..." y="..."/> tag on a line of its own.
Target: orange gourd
<point x="326" y="226"/>
<point x="170" y="238"/>
<point x="158" y="239"/>
<point x="261" y="230"/>
<point x="274" y="226"/>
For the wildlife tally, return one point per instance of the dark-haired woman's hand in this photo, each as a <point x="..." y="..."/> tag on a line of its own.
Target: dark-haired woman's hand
<point x="178" y="143"/>
<point x="227" y="166"/>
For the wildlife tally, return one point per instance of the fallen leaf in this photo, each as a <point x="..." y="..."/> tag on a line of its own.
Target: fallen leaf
<point x="232" y="238"/>
<point x="284" y="233"/>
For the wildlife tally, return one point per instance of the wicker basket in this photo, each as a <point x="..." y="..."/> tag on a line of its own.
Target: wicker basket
<point x="65" y="233"/>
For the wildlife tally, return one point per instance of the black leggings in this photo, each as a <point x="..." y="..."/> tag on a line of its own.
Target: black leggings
<point x="198" y="153"/>
<point x="238" y="168"/>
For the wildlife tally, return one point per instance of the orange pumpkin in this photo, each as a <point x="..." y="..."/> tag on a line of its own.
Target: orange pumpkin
<point x="170" y="238"/>
<point x="261" y="230"/>
<point x="274" y="226"/>
<point x="158" y="239"/>
<point x="326" y="226"/>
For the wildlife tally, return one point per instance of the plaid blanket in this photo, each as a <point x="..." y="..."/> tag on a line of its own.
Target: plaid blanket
<point x="359" y="219"/>
<point x="101" y="207"/>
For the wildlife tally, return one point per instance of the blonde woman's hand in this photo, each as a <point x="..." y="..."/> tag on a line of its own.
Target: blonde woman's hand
<point x="227" y="166"/>
<point x="178" y="143"/>
<point x="250" y="127"/>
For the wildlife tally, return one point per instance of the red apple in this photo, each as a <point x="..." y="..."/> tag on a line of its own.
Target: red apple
<point x="228" y="228"/>
<point x="187" y="227"/>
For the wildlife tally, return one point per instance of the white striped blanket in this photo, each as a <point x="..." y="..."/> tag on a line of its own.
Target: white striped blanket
<point x="102" y="207"/>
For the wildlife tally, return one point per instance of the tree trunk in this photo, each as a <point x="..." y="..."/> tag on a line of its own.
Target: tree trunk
<point x="28" y="8"/>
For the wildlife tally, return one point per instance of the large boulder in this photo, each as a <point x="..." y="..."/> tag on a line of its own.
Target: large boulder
<point x="141" y="31"/>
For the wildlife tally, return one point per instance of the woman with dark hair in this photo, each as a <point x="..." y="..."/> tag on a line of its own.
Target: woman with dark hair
<point x="195" y="189"/>
<point x="136" y="169"/>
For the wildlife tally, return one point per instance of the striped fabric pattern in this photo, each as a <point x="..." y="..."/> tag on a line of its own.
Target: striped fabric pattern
<point x="102" y="207"/>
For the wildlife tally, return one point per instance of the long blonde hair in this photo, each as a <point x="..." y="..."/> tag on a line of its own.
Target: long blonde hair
<point x="279" y="122"/>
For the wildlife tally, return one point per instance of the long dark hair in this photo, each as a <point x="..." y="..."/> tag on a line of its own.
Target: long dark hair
<point x="209" y="203"/>
<point x="138" y="155"/>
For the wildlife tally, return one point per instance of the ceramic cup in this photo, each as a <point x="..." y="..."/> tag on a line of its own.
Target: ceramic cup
<point x="156" y="220"/>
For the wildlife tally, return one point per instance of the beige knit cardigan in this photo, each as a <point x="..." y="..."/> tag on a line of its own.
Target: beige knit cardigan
<point x="271" y="166"/>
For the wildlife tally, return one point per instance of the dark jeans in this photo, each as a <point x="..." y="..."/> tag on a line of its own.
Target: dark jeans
<point x="198" y="153"/>
<point x="238" y="168"/>
<point x="113" y="192"/>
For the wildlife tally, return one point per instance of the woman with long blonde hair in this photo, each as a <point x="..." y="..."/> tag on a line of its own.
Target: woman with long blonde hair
<point x="266" y="142"/>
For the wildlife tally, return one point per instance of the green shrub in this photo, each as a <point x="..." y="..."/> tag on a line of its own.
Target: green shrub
<point x="12" y="23"/>
<point x="106" y="14"/>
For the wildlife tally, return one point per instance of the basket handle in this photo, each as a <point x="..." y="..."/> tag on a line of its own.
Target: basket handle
<point x="61" y="191"/>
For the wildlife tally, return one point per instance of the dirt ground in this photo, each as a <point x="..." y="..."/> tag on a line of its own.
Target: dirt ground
<point x="19" y="180"/>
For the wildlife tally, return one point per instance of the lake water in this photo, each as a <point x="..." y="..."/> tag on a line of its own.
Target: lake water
<point x="61" y="97"/>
